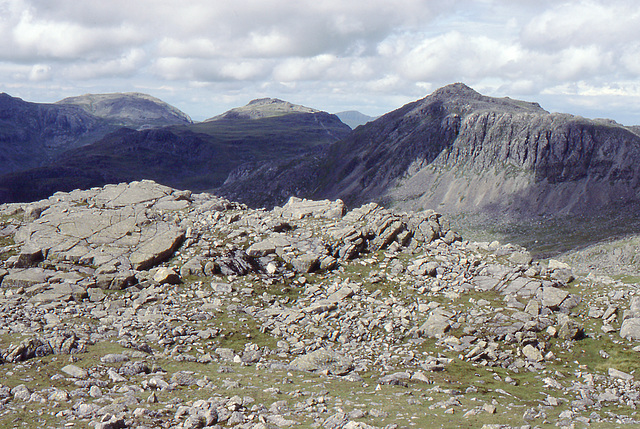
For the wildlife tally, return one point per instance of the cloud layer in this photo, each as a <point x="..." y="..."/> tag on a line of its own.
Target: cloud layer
<point x="579" y="56"/>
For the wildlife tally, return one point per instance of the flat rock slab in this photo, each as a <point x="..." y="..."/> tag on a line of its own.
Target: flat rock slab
<point x="27" y="277"/>
<point x="297" y="208"/>
<point x="75" y="371"/>
<point x="118" y="225"/>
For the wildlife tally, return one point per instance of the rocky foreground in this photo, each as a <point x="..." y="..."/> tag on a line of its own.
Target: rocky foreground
<point x="137" y="305"/>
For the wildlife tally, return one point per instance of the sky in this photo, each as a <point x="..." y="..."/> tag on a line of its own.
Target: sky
<point x="208" y="56"/>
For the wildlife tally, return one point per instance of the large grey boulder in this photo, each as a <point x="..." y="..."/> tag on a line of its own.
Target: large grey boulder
<point x="630" y="329"/>
<point x="436" y="325"/>
<point x="324" y="360"/>
<point x="297" y="208"/>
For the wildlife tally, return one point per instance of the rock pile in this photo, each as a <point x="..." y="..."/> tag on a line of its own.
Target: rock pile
<point x="137" y="305"/>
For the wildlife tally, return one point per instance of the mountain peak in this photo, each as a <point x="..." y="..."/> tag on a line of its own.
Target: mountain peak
<point x="264" y="108"/>
<point x="469" y="100"/>
<point x="456" y="89"/>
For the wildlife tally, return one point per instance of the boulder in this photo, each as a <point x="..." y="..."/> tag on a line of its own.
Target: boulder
<point x="166" y="275"/>
<point x="75" y="371"/>
<point x="630" y="329"/>
<point x="306" y="263"/>
<point x="436" y="325"/>
<point x="552" y="297"/>
<point x="532" y="353"/>
<point x="324" y="360"/>
<point x="297" y="208"/>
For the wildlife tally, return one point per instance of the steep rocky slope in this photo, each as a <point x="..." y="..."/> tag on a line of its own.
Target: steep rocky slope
<point x="196" y="156"/>
<point x="131" y="109"/>
<point x="463" y="152"/>
<point x="33" y="133"/>
<point x="138" y="305"/>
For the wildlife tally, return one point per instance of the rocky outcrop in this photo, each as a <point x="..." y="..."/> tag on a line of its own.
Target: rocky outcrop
<point x="306" y="314"/>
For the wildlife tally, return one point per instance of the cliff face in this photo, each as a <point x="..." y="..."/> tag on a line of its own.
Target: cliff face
<point x="528" y="164"/>
<point x="460" y="151"/>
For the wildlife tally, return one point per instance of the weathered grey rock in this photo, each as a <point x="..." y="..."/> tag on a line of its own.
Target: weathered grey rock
<point x="436" y="325"/>
<point x="184" y="378"/>
<point x="619" y="374"/>
<point x="324" y="360"/>
<point x="193" y="267"/>
<point x="297" y="208"/>
<point x="521" y="257"/>
<point x="33" y="347"/>
<point x="95" y="294"/>
<point x="236" y="262"/>
<point x="60" y="292"/>
<point x="166" y="275"/>
<point x="552" y="297"/>
<point x="21" y="392"/>
<point x="75" y="371"/>
<point x="26" y="277"/>
<point x="336" y="421"/>
<point x="160" y="243"/>
<point x="29" y="257"/>
<point x="632" y="312"/>
<point x="532" y="353"/>
<point x="307" y="263"/>
<point x="114" y="358"/>
<point x="115" y="377"/>
<point x="134" y="368"/>
<point x="630" y="329"/>
<point x="104" y="231"/>
<point x="570" y="329"/>
<point x="113" y="423"/>
<point x="269" y="245"/>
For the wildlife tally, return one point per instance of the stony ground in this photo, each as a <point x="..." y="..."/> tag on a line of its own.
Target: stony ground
<point x="137" y="305"/>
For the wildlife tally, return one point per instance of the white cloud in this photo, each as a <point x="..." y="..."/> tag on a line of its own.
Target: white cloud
<point x="578" y="23"/>
<point x="34" y="37"/>
<point x="40" y="72"/>
<point x="373" y="52"/>
<point x="126" y="65"/>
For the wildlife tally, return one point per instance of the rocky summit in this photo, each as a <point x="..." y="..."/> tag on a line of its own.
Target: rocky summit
<point x="139" y="305"/>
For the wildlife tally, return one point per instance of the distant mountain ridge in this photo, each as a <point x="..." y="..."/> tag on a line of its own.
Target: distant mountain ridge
<point x="197" y="156"/>
<point x="130" y="109"/>
<point x="264" y="108"/>
<point x="32" y="134"/>
<point x="353" y="118"/>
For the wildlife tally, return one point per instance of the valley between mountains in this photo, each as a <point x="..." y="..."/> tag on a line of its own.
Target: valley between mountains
<point x="462" y="261"/>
